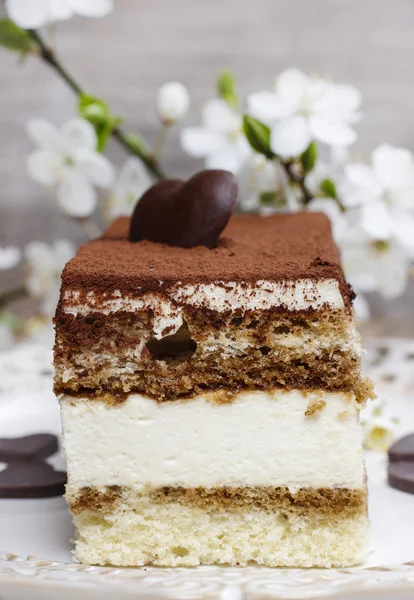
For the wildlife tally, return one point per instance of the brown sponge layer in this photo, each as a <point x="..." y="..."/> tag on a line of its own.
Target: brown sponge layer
<point x="306" y="501"/>
<point x="117" y="354"/>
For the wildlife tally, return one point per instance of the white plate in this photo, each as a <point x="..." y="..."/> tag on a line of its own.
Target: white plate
<point x="35" y="560"/>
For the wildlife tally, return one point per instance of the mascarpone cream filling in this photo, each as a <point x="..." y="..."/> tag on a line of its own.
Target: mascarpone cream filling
<point x="221" y="296"/>
<point x="261" y="438"/>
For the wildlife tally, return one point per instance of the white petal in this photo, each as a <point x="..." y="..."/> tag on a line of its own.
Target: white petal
<point x="199" y="141"/>
<point x="59" y="10"/>
<point x="95" y="167"/>
<point x="394" y="166"/>
<point x="341" y="103"/>
<point x="219" y="117"/>
<point x="291" y="85"/>
<point x="403" y="227"/>
<point x="132" y="182"/>
<point x="360" y="185"/>
<point x="332" y="210"/>
<point x="91" y="8"/>
<point x="78" y="134"/>
<point x="268" y="107"/>
<point x="376" y="220"/>
<point x="134" y="178"/>
<point x="45" y="167"/>
<point x="230" y="157"/>
<point x="76" y="196"/>
<point x="9" y="257"/>
<point x="362" y="175"/>
<point x="226" y="158"/>
<point x="393" y="272"/>
<point x="335" y="133"/>
<point x="290" y="137"/>
<point x="45" y="134"/>
<point x="402" y="198"/>
<point x="29" y="14"/>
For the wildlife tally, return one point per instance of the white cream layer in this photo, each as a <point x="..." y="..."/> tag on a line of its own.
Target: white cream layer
<point x="220" y="297"/>
<point x="261" y="438"/>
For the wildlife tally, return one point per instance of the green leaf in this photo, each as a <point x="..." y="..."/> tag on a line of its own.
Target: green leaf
<point x="328" y="188"/>
<point x="268" y="198"/>
<point x="258" y="136"/>
<point x="272" y="198"/>
<point x="308" y="157"/>
<point x="15" y="38"/>
<point x="98" y="113"/>
<point x="226" y="88"/>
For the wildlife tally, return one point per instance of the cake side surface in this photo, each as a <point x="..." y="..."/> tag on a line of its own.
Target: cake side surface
<point x="210" y="399"/>
<point x="141" y="530"/>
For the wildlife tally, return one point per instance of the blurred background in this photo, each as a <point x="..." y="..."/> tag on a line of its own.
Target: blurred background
<point x="126" y="56"/>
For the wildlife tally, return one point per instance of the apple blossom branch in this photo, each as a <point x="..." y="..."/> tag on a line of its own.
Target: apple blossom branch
<point x="49" y="56"/>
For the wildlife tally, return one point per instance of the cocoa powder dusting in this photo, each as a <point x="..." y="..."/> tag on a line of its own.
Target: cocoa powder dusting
<point x="277" y="248"/>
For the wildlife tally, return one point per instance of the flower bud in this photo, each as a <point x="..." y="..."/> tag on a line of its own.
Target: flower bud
<point x="173" y="102"/>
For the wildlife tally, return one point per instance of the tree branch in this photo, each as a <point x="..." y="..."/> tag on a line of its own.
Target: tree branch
<point x="299" y="179"/>
<point x="49" y="57"/>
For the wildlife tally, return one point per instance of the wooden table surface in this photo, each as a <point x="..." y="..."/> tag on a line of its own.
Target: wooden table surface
<point x="126" y="56"/>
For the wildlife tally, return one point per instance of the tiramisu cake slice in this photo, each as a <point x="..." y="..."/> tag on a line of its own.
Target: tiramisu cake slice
<point x="210" y="396"/>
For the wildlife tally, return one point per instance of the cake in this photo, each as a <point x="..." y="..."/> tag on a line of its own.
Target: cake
<point x="210" y="399"/>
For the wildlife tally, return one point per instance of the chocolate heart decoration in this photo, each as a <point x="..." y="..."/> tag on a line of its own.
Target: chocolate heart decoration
<point x="401" y="464"/>
<point x="31" y="480"/>
<point x="28" y="447"/>
<point x="186" y="214"/>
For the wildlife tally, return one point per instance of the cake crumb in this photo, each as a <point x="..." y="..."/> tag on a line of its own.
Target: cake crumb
<point x="315" y="407"/>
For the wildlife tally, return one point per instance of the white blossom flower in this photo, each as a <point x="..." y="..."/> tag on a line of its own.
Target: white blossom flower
<point x="331" y="208"/>
<point x="262" y="186"/>
<point x="374" y="265"/>
<point x="132" y="182"/>
<point x="302" y="109"/>
<point x="220" y="140"/>
<point x="384" y="194"/>
<point x="45" y="265"/>
<point x="173" y="102"/>
<point x="31" y="14"/>
<point x="68" y="161"/>
<point x="378" y="429"/>
<point x="9" y="257"/>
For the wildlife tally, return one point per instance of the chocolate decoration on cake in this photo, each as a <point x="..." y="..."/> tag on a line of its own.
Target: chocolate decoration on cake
<point x="402" y="449"/>
<point x="28" y="447"/>
<point x="31" y="480"/>
<point x="186" y="214"/>
<point x="27" y="475"/>
<point x="401" y="464"/>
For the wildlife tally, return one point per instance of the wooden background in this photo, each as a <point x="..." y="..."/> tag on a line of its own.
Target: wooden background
<point x="126" y="56"/>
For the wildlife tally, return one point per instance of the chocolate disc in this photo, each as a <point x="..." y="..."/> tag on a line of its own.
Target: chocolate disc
<point x="31" y="480"/>
<point x="28" y="447"/>
<point x="403" y="449"/>
<point x="186" y="214"/>
<point x="401" y="476"/>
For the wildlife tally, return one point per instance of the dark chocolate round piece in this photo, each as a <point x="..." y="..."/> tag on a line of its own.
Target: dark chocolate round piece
<point x="401" y="476"/>
<point x="29" y="447"/>
<point x="31" y="480"/>
<point x="403" y="449"/>
<point x="186" y="214"/>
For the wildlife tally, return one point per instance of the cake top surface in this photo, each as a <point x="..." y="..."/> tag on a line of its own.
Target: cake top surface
<point x="282" y="247"/>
